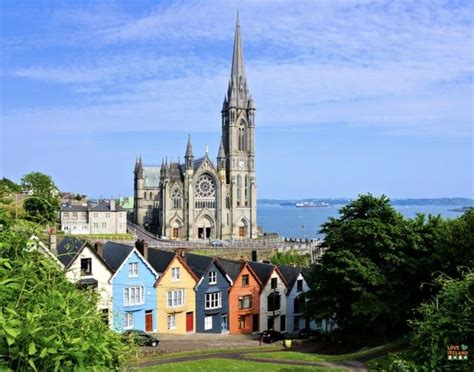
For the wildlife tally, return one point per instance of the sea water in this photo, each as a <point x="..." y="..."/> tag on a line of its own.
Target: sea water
<point x="295" y="222"/>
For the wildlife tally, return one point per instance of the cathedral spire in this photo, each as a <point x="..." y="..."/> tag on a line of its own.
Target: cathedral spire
<point x="189" y="148"/>
<point x="238" y="70"/>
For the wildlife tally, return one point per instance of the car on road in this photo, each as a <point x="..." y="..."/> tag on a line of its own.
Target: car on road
<point x="269" y="336"/>
<point x="141" y="338"/>
<point x="218" y="243"/>
<point x="308" y="333"/>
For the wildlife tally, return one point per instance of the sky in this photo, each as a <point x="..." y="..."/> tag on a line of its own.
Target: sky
<point x="351" y="96"/>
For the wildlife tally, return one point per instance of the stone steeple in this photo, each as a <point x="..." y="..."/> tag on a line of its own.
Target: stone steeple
<point x="238" y="94"/>
<point x="188" y="157"/>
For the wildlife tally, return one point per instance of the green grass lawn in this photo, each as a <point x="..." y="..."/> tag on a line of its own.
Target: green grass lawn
<point x="232" y="365"/>
<point x="106" y="236"/>
<point x="308" y="357"/>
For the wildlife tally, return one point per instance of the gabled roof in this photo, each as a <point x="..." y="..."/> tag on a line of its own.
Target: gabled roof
<point x="125" y="259"/>
<point x="74" y="208"/>
<point x="188" y="269"/>
<point x="233" y="268"/>
<point x="264" y="272"/>
<point x="200" y="265"/>
<point x="160" y="260"/>
<point x="68" y="249"/>
<point x="290" y="274"/>
<point x="115" y="254"/>
<point x="305" y="271"/>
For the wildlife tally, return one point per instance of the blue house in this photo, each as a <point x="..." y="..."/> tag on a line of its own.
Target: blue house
<point x="212" y="294"/>
<point x="133" y="292"/>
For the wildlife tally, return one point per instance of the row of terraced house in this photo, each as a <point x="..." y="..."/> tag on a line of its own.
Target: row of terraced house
<point x="177" y="292"/>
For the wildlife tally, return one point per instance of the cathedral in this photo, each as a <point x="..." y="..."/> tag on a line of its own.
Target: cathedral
<point x="200" y="199"/>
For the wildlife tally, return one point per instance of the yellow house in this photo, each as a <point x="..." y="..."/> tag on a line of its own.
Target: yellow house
<point x="176" y="298"/>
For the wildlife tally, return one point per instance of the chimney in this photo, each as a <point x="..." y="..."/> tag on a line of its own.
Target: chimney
<point x="140" y="246"/>
<point x="181" y="252"/>
<point x="99" y="248"/>
<point x="53" y="243"/>
<point x="112" y="204"/>
<point x="145" y="249"/>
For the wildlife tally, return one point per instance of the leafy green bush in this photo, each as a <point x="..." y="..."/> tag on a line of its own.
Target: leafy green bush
<point x="46" y="323"/>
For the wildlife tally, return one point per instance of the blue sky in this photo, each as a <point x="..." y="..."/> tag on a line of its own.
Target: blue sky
<point x="351" y="96"/>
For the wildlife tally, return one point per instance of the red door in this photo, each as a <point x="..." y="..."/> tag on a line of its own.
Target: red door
<point x="189" y="322"/>
<point x="148" y="321"/>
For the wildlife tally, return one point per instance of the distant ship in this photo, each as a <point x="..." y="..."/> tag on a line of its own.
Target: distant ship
<point x="311" y="205"/>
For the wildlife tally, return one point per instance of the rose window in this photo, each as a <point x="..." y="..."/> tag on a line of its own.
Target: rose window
<point x="205" y="187"/>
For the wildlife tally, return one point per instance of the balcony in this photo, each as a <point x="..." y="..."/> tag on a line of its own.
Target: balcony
<point x="245" y="311"/>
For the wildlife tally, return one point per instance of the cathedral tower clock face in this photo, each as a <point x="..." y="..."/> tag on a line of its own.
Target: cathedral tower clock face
<point x="205" y="187"/>
<point x="241" y="164"/>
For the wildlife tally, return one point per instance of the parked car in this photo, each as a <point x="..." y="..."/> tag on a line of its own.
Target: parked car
<point x="218" y="243"/>
<point x="269" y="336"/>
<point x="308" y="333"/>
<point x="141" y="338"/>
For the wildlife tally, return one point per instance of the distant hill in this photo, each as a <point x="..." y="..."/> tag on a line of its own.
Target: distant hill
<point x="457" y="202"/>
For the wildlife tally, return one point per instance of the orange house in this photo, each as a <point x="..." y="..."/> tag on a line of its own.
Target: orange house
<point x="244" y="297"/>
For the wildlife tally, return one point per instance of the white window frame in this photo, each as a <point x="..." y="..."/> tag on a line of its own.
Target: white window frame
<point x="133" y="296"/>
<point x="213" y="277"/>
<point x="133" y="269"/>
<point x="175" y="298"/>
<point x="128" y="321"/>
<point x="213" y="300"/>
<point x="175" y="274"/>
<point x="207" y="323"/>
<point x="171" y="321"/>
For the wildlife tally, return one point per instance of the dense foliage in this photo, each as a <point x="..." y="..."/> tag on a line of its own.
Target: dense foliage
<point x="371" y="276"/>
<point x="289" y="258"/>
<point x="447" y="320"/>
<point x="46" y="323"/>
<point x="43" y="201"/>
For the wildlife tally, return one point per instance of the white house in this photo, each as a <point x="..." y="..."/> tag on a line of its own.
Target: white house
<point x="84" y="265"/>
<point x="273" y="300"/>
<point x="105" y="217"/>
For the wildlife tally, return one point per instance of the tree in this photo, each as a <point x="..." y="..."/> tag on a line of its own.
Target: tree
<point x="291" y="257"/>
<point x="46" y="323"/>
<point x="357" y="280"/>
<point x="43" y="201"/>
<point x="447" y="319"/>
<point x="8" y="186"/>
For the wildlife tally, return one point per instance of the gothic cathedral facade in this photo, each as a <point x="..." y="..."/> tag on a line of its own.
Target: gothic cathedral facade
<point x="199" y="199"/>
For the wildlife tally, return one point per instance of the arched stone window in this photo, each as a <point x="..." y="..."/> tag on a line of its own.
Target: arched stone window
<point x="177" y="198"/>
<point x="205" y="192"/>
<point x="246" y="190"/>
<point x="144" y="195"/>
<point x="239" y="190"/>
<point x="242" y="140"/>
<point x="151" y="195"/>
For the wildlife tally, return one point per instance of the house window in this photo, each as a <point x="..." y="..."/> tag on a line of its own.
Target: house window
<point x="274" y="283"/>
<point x="65" y="214"/>
<point x="86" y="266"/>
<point x="299" y="285"/>
<point x="207" y="323"/>
<point x="245" y="302"/>
<point x="128" y="321"/>
<point x="74" y="215"/>
<point x="96" y="225"/>
<point x="296" y="323"/>
<point x="133" y="296"/>
<point x="212" y="277"/>
<point x="133" y="269"/>
<point x="107" y="215"/>
<point x="213" y="300"/>
<point x="273" y="301"/>
<point x="241" y="322"/>
<point x="298" y="305"/>
<point x="176" y="298"/>
<point x="283" y="323"/>
<point x="96" y="214"/>
<point x="175" y="274"/>
<point x="171" y="320"/>
<point x="104" y="225"/>
<point x="245" y="280"/>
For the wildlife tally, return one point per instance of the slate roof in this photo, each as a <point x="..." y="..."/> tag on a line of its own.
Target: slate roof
<point x="74" y="208"/>
<point x="115" y="253"/>
<point x="262" y="270"/>
<point x="232" y="268"/>
<point x="290" y="274"/>
<point x="198" y="264"/>
<point x="68" y="249"/>
<point x="159" y="260"/>
<point x="104" y="206"/>
<point x="305" y="271"/>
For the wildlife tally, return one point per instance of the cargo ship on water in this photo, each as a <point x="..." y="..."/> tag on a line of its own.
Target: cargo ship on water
<point x="311" y="205"/>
